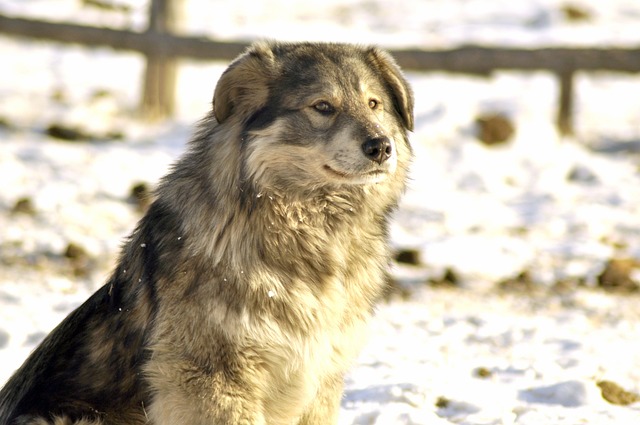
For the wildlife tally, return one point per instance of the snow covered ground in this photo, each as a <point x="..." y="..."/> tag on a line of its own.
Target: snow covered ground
<point x="553" y="209"/>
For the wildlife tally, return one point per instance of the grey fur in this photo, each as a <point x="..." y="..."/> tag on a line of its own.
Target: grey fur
<point x="244" y="293"/>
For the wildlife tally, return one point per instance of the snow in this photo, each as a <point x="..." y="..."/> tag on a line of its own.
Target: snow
<point x="557" y="208"/>
<point x="543" y="357"/>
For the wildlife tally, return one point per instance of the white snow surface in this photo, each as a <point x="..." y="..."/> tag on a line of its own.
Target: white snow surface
<point x="558" y="208"/>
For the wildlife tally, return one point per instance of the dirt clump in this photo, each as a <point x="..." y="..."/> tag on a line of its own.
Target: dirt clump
<point x="575" y="13"/>
<point x="408" y="256"/>
<point x="494" y="129"/>
<point x="140" y="195"/>
<point x="615" y="394"/>
<point x="618" y="275"/>
<point x="483" y="372"/>
<point x="449" y="279"/>
<point x="79" y="260"/>
<point x="24" y="206"/>
<point x="521" y="283"/>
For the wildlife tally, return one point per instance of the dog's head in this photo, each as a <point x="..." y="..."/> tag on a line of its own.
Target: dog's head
<point x="313" y="114"/>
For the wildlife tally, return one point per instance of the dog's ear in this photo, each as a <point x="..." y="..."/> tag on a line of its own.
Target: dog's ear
<point x="387" y="68"/>
<point x="243" y="86"/>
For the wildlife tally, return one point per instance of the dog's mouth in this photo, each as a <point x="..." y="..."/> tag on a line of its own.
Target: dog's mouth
<point x="372" y="176"/>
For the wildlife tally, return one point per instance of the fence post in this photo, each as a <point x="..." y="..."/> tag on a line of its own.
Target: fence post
<point x="565" y="102"/>
<point x="159" y="85"/>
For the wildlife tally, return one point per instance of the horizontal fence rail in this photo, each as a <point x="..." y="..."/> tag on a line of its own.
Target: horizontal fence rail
<point x="468" y="59"/>
<point x="563" y="62"/>
<point x="143" y="42"/>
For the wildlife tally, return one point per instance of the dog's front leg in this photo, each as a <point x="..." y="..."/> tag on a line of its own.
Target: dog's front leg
<point x="176" y="409"/>
<point x="325" y="406"/>
<point x="184" y="394"/>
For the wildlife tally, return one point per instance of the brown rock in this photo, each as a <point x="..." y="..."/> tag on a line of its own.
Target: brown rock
<point x="494" y="129"/>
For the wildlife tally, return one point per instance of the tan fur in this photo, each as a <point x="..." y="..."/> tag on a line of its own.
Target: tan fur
<point x="244" y="294"/>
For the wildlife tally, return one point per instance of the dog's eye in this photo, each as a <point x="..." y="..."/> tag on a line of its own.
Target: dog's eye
<point x="323" y="107"/>
<point x="373" y="104"/>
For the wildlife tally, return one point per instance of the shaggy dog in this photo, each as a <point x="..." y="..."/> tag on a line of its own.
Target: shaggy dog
<point x="243" y="295"/>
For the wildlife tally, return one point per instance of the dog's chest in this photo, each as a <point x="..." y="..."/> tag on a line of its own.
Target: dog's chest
<point x="313" y="317"/>
<point x="316" y="344"/>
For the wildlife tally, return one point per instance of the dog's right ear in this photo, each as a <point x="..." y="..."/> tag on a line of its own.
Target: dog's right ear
<point x="243" y="86"/>
<point x="396" y="82"/>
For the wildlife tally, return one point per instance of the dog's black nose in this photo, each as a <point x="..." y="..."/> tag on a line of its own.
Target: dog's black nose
<point x="378" y="149"/>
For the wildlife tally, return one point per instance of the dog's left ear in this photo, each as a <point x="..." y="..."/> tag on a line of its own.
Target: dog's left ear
<point x="400" y="89"/>
<point x="243" y="86"/>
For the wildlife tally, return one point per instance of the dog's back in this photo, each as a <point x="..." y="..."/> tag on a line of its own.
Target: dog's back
<point x="243" y="294"/>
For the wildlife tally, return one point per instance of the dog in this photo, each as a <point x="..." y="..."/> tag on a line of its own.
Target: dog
<point x="243" y="294"/>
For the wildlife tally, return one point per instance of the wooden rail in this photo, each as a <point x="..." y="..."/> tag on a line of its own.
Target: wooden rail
<point x="143" y="42"/>
<point x="160" y="45"/>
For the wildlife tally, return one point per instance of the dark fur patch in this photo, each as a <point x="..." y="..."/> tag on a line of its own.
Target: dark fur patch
<point x="262" y="118"/>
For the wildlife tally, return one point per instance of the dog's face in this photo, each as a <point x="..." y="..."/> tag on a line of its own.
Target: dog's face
<point x="317" y="114"/>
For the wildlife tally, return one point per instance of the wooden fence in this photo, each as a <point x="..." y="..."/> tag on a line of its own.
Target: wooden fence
<point x="162" y="47"/>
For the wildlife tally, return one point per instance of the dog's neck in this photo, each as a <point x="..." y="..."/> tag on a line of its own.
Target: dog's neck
<point x="276" y="227"/>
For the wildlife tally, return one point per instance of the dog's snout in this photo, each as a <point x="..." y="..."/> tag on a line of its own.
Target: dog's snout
<point x="378" y="149"/>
